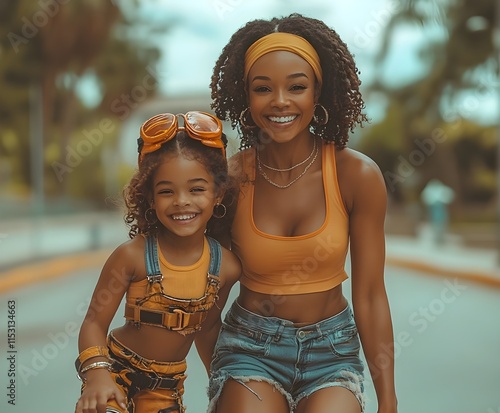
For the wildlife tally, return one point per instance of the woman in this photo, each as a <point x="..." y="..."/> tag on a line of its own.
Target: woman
<point x="290" y="341"/>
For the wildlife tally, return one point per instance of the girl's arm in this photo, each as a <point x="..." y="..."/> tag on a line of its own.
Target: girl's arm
<point x="206" y="338"/>
<point x="108" y="293"/>
<point x="370" y="303"/>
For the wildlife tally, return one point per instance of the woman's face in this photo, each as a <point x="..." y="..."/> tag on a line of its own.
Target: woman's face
<point x="281" y="93"/>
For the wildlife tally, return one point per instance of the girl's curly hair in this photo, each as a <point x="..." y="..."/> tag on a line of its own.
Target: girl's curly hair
<point x="138" y="194"/>
<point x="340" y="93"/>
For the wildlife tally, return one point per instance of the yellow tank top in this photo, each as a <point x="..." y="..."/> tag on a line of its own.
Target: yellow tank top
<point x="307" y="263"/>
<point x="185" y="282"/>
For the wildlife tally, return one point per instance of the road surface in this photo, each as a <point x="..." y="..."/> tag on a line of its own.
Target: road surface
<point x="447" y="335"/>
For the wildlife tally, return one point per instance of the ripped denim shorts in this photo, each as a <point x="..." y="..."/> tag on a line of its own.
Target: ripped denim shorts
<point x="297" y="361"/>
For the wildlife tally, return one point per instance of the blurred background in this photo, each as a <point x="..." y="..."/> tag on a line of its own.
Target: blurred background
<point x="77" y="79"/>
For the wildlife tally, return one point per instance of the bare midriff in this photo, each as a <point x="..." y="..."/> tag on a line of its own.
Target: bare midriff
<point x="302" y="309"/>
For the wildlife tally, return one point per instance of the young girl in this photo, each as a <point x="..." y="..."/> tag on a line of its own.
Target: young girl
<point x="176" y="279"/>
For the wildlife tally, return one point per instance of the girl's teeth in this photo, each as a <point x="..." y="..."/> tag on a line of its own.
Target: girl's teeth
<point x="181" y="217"/>
<point x="281" y="119"/>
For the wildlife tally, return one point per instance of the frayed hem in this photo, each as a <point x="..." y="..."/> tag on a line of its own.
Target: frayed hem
<point x="243" y="380"/>
<point x="349" y="380"/>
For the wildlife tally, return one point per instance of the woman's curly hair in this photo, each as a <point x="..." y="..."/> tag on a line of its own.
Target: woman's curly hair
<point x="340" y="93"/>
<point x="138" y="194"/>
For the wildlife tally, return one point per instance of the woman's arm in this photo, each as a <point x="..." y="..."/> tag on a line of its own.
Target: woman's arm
<point x="206" y="338"/>
<point x="370" y="303"/>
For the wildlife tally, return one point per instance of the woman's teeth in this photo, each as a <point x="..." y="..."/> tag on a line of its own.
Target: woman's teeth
<point x="281" y="119"/>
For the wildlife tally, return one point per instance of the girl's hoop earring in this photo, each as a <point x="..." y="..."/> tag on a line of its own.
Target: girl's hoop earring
<point x="316" y="121"/>
<point x="243" y="115"/>
<point x="217" y="210"/>
<point x="150" y="219"/>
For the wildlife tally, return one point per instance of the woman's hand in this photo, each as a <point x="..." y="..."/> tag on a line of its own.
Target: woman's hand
<point x="99" y="389"/>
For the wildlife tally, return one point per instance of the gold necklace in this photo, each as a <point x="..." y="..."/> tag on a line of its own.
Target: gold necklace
<point x="264" y="175"/>
<point x="292" y="167"/>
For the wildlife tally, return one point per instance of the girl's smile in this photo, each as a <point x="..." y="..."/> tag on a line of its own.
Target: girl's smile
<point x="184" y="195"/>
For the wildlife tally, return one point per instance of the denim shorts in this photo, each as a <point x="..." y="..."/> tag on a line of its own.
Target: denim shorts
<point x="297" y="361"/>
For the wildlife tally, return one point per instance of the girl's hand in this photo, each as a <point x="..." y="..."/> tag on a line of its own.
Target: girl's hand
<point x="99" y="389"/>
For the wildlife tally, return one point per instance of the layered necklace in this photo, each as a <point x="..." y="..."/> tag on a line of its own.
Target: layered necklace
<point x="313" y="155"/>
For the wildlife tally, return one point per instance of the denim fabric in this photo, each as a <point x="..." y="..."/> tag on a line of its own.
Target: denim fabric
<point x="296" y="360"/>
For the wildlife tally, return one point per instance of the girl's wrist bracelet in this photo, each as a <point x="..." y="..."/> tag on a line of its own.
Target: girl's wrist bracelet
<point x="92" y="366"/>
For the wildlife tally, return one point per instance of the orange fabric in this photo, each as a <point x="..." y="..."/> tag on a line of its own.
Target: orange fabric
<point x="287" y="42"/>
<point x="178" y="281"/>
<point x="292" y="265"/>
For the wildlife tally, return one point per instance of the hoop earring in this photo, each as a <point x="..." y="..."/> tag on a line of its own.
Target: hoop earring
<point x="243" y="114"/>
<point x="217" y="213"/>
<point x="150" y="219"/>
<point x="316" y="120"/>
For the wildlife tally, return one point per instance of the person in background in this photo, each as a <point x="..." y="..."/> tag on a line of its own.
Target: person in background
<point x="175" y="278"/>
<point x="291" y="341"/>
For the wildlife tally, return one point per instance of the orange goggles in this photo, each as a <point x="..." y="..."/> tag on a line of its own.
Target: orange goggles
<point x="161" y="128"/>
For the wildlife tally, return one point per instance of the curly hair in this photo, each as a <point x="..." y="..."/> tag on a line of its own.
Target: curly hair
<point x="340" y="93"/>
<point x="138" y="194"/>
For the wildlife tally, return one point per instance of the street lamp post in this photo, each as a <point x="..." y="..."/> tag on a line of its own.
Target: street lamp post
<point x="496" y="39"/>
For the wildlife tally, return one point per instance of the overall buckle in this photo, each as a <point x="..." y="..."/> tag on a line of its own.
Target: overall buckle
<point x="182" y="319"/>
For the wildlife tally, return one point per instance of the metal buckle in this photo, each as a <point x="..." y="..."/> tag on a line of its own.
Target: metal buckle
<point x="155" y="278"/>
<point x="155" y="382"/>
<point x="182" y="319"/>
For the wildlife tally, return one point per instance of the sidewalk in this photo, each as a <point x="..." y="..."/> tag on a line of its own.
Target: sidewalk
<point x="35" y="251"/>
<point x="449" y="260"/>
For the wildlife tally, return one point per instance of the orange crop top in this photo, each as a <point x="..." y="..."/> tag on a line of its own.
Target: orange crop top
<point x="184" y="282"/>
<point x="292" y="265"/>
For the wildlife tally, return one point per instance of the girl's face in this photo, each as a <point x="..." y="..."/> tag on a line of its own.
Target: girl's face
<point x="184" y="194"/>
<point x="281" y="93"/>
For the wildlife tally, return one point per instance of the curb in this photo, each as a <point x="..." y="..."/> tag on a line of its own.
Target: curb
<point x="50" y="269"/>
<point x="57" y="267"/>
<point x="475" y="276"/>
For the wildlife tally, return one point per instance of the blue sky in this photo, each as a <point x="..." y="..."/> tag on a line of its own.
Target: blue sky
<point x="205" y="26"/>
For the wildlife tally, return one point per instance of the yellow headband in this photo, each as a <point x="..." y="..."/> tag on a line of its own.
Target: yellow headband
<point x="287" y="42"/>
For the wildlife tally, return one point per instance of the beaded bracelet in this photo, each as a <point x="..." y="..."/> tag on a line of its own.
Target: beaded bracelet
<point x="92" y="366"/>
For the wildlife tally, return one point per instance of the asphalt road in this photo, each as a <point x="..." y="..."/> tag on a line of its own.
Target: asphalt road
<point x="447" y="335"/>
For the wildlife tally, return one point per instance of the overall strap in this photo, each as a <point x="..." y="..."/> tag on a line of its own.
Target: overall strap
<point x="151" y="257"/>
<point x="215" y="256"/>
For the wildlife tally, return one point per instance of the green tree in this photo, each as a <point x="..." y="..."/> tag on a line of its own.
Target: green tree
<point x="65" y="52"/>
<point x="424" y="118"/>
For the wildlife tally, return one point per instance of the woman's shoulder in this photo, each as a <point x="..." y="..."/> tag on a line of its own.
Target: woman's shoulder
<point x="358" y="177"/>
<point x="356" y="164"/>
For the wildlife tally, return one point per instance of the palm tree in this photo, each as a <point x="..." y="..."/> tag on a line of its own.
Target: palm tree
<point x="462" y="59"/>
